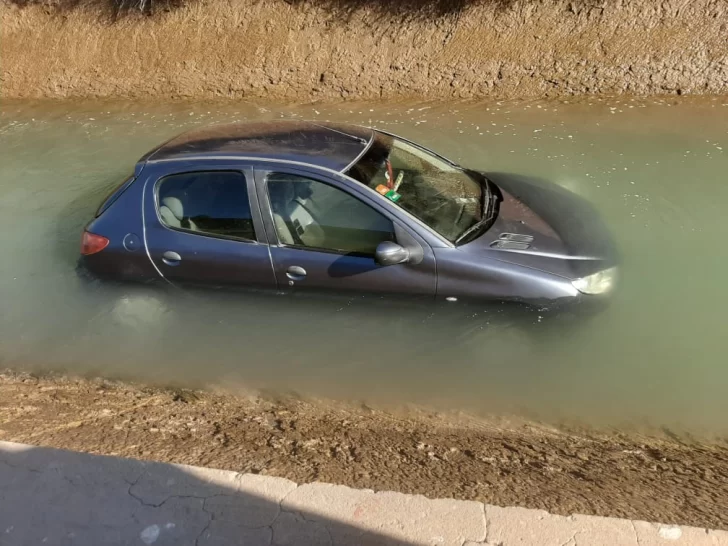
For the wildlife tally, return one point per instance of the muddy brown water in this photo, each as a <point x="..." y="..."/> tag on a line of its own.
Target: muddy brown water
<point x="656" y="169"/>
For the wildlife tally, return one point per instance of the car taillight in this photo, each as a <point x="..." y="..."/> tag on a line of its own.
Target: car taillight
<point x="92" y="243"/>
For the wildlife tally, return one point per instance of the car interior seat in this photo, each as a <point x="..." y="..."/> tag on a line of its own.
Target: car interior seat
<point x="294" y="223"/>
<point x="172" y="213"/>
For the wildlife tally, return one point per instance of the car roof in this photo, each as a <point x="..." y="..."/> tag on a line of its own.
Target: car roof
<point x="328" y="145"/>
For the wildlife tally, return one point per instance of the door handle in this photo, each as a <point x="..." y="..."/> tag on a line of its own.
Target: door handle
<point x="296" y="273"/>
<point x="171" y="258"/>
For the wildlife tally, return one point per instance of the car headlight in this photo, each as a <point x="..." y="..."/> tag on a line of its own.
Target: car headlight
<point x="598" y="283"/>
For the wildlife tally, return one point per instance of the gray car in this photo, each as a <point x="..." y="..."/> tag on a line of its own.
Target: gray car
<point x="293" y="206"/>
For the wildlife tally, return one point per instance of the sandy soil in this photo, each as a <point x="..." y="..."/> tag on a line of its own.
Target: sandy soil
<point x="324" y="49"/>
<point x="497" y="462"/>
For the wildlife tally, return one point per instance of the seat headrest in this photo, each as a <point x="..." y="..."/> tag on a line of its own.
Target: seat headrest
<point x="282" y="192"/>
<point x="175" y="206"/>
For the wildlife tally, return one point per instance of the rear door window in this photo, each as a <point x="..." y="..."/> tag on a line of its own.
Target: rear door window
<point x="212" y="203"/>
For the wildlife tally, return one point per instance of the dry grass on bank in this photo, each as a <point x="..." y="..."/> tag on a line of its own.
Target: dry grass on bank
<point x="320" y="49"/>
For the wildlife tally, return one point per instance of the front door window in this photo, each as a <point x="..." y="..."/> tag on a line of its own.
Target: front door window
<point x="314" y="215"/>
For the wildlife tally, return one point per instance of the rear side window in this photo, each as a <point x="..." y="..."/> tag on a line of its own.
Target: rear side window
<point x="114" y="195"/>
<point x="206" y="202"/>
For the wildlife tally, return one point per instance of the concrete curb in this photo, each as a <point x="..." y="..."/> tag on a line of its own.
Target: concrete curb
<point x="55" y="497"/>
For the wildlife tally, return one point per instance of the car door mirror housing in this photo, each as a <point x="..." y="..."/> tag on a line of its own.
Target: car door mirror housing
<point x="389" y="253"/>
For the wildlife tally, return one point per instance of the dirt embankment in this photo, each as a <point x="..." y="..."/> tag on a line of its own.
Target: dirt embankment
<point x="317" y="49"/>
<point x="526" y="464"/>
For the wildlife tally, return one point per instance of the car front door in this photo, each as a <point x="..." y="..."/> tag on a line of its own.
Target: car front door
<point x="323" y="236"/>
<point x="200" y="228"/>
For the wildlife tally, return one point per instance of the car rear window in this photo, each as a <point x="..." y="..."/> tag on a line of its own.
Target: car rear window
<point x="114" y="195"/>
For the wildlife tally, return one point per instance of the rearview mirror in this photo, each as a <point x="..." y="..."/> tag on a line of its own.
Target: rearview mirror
<point x="389" y="253"/>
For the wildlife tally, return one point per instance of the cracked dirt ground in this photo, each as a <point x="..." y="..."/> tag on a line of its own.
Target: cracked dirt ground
<point x="633" y="476"/>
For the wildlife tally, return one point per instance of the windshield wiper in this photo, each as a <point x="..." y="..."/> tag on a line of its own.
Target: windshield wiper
<point x="488" y="206"/>
<point x="472" y="229"/>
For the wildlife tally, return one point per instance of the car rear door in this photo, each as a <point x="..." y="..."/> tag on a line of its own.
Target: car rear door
<point x="344" y="226"/>
<point x="200" y="227"/>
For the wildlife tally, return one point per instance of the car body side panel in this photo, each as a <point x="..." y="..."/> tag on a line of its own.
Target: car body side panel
<point x="469" y="276"/>
<point x="125" y="257"/>
<point x="357" y="274"/>
<point x="205" y="260"/>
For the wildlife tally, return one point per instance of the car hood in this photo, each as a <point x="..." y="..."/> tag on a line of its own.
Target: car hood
<point x="543" y="226"/>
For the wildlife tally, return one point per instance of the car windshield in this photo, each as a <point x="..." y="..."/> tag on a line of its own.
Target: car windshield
<point x="440" y="194"/>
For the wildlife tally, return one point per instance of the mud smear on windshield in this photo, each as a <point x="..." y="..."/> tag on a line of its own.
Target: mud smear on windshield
<point x="653" y="169"/>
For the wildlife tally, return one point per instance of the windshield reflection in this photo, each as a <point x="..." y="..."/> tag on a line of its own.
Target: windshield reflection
<point x="440" y="194"/>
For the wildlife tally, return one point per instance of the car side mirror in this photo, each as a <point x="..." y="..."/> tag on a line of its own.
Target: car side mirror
<point x="389" y="253"/>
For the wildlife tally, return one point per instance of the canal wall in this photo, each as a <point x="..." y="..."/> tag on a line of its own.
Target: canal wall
<point x="332" y="49"/>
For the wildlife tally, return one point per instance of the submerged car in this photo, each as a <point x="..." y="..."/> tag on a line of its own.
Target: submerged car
<point x="306" y="206"/>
